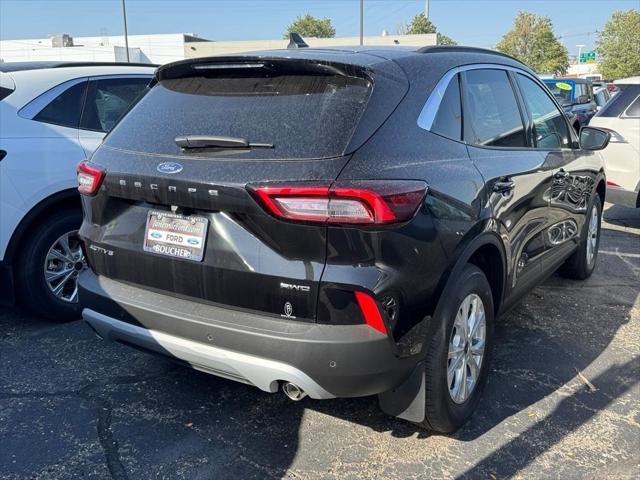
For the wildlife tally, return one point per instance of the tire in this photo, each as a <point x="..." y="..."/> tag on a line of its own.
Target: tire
<point x="581" y="263"/>
<point x="32" y="288"/>
<point x="443" y="413"/>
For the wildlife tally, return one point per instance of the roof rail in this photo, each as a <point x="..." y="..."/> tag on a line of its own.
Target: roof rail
<point x="462" y="49"/>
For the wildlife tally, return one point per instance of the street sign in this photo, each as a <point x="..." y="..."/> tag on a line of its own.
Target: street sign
<point x="587" y="57"/>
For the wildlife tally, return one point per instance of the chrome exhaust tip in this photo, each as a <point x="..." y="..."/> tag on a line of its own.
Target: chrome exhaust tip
<point x="293" y="391"/>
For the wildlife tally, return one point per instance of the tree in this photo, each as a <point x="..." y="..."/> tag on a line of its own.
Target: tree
<point x="531" y="40"/>
<point x="421" y="25"/>
<point x="444" y="40"/>
<point x="310" y="26"/>
<point x="618" y="45"/>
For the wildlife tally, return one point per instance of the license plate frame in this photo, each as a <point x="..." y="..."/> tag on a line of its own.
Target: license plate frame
<point x="175" y="236"/>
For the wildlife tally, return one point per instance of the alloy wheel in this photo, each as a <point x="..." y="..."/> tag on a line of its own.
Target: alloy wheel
<point x="592" y="235"/>
<point x="62" y="265"/>
<point x="466" y="348"/>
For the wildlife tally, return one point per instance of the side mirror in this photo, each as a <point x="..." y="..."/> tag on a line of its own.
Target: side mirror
<point x="593" y="138"/>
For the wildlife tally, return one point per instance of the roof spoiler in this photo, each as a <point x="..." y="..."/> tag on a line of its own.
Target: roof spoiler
<point x="256" y="64"/>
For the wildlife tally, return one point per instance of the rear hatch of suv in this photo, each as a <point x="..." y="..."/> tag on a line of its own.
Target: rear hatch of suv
<point x="177" y="208"/>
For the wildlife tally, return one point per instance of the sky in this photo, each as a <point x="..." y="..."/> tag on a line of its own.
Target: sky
<point x="470" y="22"/>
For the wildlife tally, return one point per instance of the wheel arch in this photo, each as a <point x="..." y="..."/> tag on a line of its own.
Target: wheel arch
<point x="601" y="189"/>
<point x="69" y="198"/>
<point x="487" y="252"/>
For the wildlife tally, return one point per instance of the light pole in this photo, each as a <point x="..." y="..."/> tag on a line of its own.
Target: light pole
<point x="361" y="22"/>
<point x="426" y="9"/>
<point x="126" y="35"/>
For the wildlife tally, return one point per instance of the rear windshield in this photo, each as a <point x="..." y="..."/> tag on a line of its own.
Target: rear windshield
<point x="561" y="90"/>
<point x="302" y="116"/>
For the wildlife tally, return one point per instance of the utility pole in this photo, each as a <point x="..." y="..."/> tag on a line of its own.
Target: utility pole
<point x="361" y="22"/>
<point x="426" y="9"/>
<point x="126" y="35"/>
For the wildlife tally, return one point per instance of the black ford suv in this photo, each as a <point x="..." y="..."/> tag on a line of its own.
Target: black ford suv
<point x="337" y="223"/>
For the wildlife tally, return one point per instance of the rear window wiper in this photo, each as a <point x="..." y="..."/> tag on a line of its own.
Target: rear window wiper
<point x="211" y="141"/>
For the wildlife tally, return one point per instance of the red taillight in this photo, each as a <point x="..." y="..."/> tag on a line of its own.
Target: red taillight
<point x="89" y="178"/>
<point x="612" y="184"/>
<point x="349" y="202"/>
<point x="370" y="312"/>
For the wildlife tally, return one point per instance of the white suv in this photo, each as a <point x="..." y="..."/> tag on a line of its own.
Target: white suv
<point x="52" y="116"/>
<point x="621" y="116"/>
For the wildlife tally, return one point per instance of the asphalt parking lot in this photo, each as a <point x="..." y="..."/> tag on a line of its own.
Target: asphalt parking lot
<point x="563" y="401"/>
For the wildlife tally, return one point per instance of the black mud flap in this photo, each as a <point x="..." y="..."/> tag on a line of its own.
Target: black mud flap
<point x="407" y="401"/>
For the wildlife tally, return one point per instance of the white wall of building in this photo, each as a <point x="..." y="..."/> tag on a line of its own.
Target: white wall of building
<point x="205" y="49"/>
<point x="161" y="48"/>
<point x="164" y="48"/>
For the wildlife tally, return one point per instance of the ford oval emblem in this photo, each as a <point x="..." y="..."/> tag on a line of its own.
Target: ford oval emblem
<point x="169" y="167"/>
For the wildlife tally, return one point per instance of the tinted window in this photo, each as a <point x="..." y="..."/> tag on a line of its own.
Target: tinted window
<point x="303" y="116"/>
<point x="550" y="127"/>
<point x="65" y="108"/>
<point x="492" y="117"/>
<point x="634" y="109"/>
<point x="5" y="92"/>
<point x="107" y="100"/>
<point x="626" y="95"/>
<point x="448" y="120"/>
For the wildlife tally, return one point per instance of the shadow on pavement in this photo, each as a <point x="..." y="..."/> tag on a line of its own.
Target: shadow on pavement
<point x="102" y="410"/>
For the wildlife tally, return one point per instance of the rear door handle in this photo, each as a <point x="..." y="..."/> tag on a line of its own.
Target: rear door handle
<point x="503" y="186"/>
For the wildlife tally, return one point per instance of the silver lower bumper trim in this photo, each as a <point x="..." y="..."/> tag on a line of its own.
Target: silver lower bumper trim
<point x="261" y="372"/>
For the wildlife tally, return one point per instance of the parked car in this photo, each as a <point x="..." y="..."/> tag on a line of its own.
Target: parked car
<point x="576" y="97"/>
<point x="320" y="220"/>
<point x="622" y="157"/>
<point x="52" y="115"/>
<point x="601" y="95"/>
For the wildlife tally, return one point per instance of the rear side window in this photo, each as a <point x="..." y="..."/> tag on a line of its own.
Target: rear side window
<point x="550" y="128"/>
<point x="5" y="92"/>
<point x="65" y="109"/>
<point x="634" y="109"/>
<point x="448" y="120"/>
<point x="107" y="100"/>
<point x="302" y="115"/>
<point x="492" y="116"/>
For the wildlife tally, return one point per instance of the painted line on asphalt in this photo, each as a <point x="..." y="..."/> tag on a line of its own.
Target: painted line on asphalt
<point x="620" y="254"/>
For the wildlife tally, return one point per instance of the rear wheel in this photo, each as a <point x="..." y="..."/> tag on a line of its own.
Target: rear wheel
<point x="51" y="260"/>
<point x="458" y="358"/>
<point x="582" y="262"/>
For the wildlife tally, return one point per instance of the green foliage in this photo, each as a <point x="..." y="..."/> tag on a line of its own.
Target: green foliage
<point x="310" y="26"/>
<point x="531" y="40"/>
<point x="444" y="40"/>
<point x="618" y="45"/>
<point x="421" y="25"/>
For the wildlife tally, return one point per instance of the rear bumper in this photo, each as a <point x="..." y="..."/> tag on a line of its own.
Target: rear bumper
<point x="324" y="360"/>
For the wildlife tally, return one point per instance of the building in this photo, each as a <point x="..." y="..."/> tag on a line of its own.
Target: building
<point x="158" y="48"/>
<point x="210" y="48"/>
<point x="164" y="48"/>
